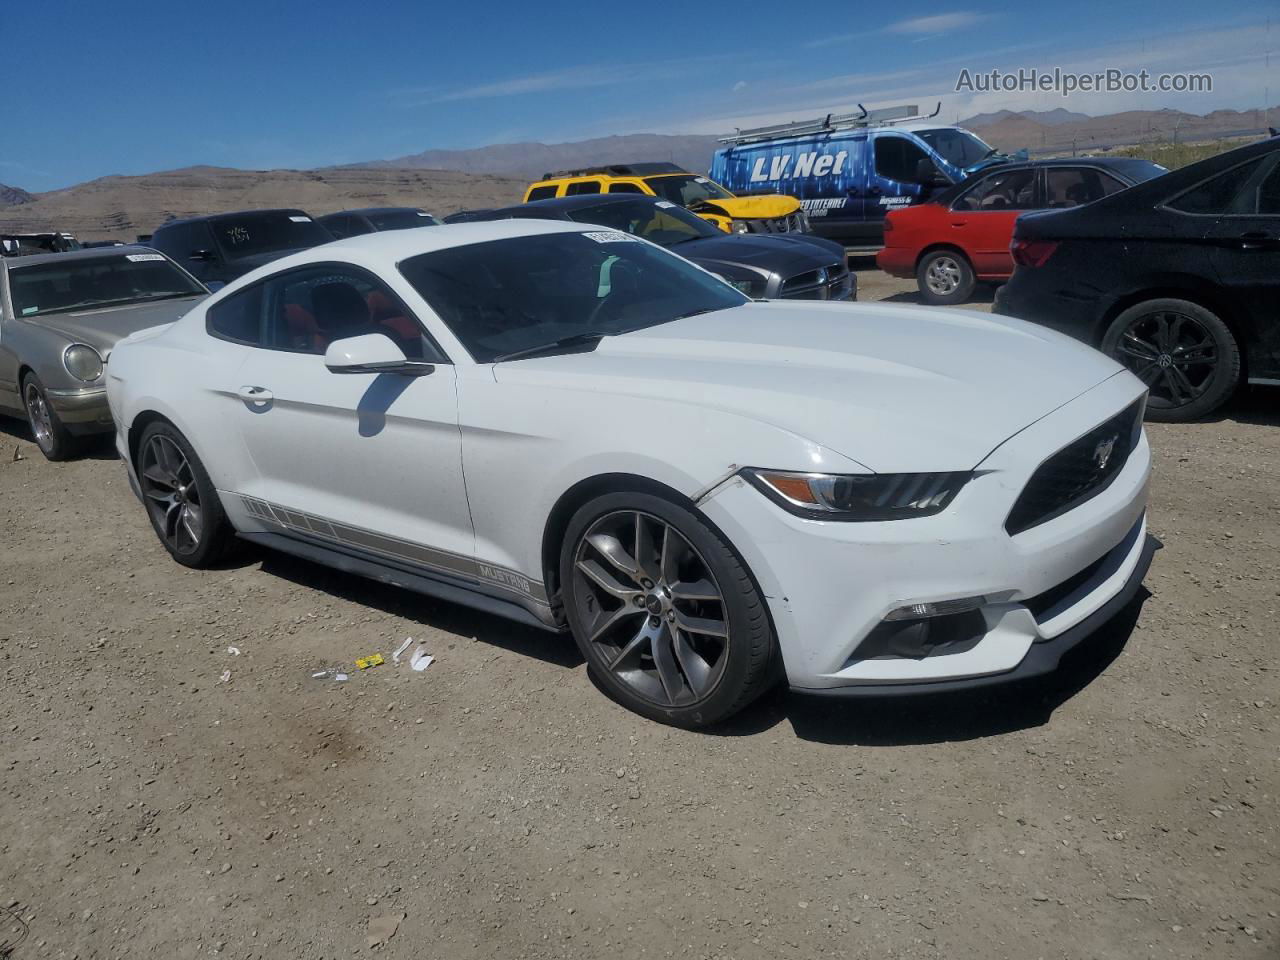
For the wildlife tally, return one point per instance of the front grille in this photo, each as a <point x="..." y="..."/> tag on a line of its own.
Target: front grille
<point x="1078" y="472"/>
<point x="789" y="224"/>
<point x="827" y="283"/>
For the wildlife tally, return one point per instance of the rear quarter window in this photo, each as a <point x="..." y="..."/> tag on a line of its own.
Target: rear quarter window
<point x="541" y="193"/>
<point x="237" y="318"/>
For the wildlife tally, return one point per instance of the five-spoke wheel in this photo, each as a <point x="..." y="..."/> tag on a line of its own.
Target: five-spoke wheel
<point x="663" y="611"/>
<point x="1185" y="355"/>
<point x="171" y="493"/>
<point x="945" y="277"/>
<point x="180" y="498"/>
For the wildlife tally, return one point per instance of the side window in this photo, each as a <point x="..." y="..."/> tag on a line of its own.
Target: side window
<point x="542" y="193"/>
<point x="238" y="318"/>
<point x="175" y="241"/>
<point x="1223" y="194"/>
<point x="582" y="186"/>
<point x="340" y="227"/>
<point x="1073" y="186"/>
<point x="896" y="158"/>
<point x="621" y="187"/>
<point x="308" y="309"/>
<point x="1009" y="190"/>
<point x="1269" y="193"/>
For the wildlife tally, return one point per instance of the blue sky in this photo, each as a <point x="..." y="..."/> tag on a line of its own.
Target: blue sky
<point x="100" y="88"/>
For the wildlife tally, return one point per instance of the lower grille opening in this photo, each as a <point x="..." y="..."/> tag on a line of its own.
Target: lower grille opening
<point x="919" y="639"/>
<point x="1043" y="602"/>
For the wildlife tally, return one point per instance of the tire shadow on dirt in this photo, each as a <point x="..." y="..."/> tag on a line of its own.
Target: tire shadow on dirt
<point x="942" y="718"/>
<point x="93" y="447"/>
<point x="557" y="649"/>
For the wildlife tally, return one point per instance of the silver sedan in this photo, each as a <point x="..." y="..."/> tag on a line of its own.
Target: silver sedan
<point x="60" y="315"/>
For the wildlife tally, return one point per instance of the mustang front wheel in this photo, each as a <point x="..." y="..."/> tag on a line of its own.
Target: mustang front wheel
<point x="180" y="498"/>
<point x="664" y="613"/>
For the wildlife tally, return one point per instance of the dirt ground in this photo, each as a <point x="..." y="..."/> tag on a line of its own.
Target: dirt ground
<point x="503" y="807"/>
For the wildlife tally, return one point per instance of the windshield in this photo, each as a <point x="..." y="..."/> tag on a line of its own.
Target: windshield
<point x="662" y="222"/>
<point x="958" y="147"/>
<point x="17" y="244"/>
<point x="85" y="284"/>
<point x="686" y="189"/>
<point x="402" y="220"/>
<point x="508" y="295"/>
<point x="247" y="235"/>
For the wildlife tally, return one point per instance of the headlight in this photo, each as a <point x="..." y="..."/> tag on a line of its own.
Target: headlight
<point x="752" y="288"/>
<point x="874" y="496"/>
<point x="82" y="362"/>
<point x="739" y="226"/>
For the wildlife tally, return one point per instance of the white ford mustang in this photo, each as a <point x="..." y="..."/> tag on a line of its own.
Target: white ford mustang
<point x="580" y="430"/>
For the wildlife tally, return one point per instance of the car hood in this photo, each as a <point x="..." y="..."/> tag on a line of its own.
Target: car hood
<point x="897" y="389"/>
<point x="103" y="328"/>
<point x="764" y="207"/>
<point x="781" y="254"/>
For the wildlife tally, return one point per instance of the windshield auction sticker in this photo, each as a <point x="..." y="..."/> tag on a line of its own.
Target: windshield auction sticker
<point x="610" y="236"/>
<point x="142" y="257"/>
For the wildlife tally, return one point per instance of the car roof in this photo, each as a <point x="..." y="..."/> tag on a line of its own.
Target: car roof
<point x="557" y="205"/>
<point x="92" y="253"/>
<point x="371" y="249"/>
<point x="283" y="211"/>
<point x="363" y="211"/>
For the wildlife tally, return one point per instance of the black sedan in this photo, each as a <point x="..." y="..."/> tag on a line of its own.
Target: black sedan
<point x="1177" y="278"/>
<point x="789" y="266"/>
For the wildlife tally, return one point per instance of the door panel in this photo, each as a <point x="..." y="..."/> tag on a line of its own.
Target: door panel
<point x="379" y="453"/>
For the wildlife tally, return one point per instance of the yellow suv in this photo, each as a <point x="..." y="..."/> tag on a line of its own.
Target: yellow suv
<point x="771" y="213"/>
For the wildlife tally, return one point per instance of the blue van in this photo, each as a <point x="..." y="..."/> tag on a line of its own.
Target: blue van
<point x="848" y="171"/>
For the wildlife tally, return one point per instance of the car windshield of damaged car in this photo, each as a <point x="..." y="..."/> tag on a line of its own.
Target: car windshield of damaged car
<point x="663" y="222"/>
<point x="958" y="147"/>
<point x="88" y="284"/>
<point x="402" y="220"/>
<point x="253" y="234"/>
<point x="559" y="292"/>
<point x="686" y="189"/>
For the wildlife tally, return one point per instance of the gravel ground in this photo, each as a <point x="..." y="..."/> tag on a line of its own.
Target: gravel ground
<point x="498" y="805"/>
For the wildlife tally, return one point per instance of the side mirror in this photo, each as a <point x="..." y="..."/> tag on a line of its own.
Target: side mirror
<point x="201" y="255"/>
<point x="928" y="174"/>
<point x="372" y="353"/>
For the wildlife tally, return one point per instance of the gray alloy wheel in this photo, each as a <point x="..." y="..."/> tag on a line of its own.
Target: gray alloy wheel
<point x="945" y="277"/>
<point x="651" y="608"/>
<point x="39" y="415"/>
<point x="172" y="494"/>
<point x="1184" y="354"/>
<point x="53" y="439"/>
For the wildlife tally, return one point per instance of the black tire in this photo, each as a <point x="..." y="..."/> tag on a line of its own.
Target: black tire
<point x="945" y="277"/>
<point x="1185" y="354"/>
<point x="53" y="438"/>
<point x="214" y="537"/>
<point x="713" y="678"/>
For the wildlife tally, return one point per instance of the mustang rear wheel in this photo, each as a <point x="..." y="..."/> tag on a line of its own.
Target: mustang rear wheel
<point x="1186" y="356"/>
<point x="666" y="616"/>
<point x="180" y="498"/>
<point x="51" y="436"/>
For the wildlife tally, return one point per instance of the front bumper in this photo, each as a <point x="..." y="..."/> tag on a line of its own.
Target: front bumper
<point x="82" y="410"/>
<point x="829" y="585"/>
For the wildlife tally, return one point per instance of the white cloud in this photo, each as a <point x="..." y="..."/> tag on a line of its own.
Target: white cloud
<point x="937" y="24"/>
<point x="740" y="86"/>
<point x="1237" y="57"/>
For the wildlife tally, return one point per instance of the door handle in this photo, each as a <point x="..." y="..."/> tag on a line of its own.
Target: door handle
<point x="959" y="223"/>
<point x="1257" y="240"/>
<point x="255" y="395"/>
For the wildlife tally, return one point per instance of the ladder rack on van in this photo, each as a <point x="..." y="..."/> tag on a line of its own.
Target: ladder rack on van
<point x="884" y="116"/>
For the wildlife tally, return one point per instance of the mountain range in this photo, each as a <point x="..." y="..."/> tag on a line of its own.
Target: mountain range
<point x="120" y="207"/>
